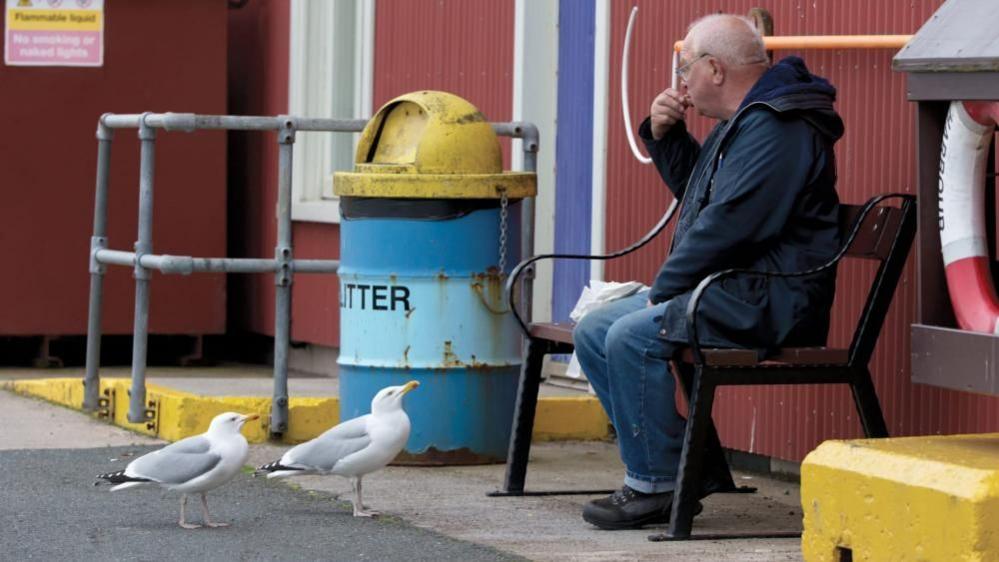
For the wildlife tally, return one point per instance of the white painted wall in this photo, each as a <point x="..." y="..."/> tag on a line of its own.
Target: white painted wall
<point x="535" y="99"/>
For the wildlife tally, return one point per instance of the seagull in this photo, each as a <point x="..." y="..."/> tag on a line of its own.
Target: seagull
<point x="196" y="464"/>
<point x="353" y="448"/>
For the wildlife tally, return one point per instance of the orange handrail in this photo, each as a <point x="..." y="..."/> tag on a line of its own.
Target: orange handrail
<point x="829" y="42"/>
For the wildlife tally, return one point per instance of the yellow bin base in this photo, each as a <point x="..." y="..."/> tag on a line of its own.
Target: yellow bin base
<point x="910" y="498"/>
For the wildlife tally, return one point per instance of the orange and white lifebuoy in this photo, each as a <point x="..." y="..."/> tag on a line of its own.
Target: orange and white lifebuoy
<point x="963" y="156"/>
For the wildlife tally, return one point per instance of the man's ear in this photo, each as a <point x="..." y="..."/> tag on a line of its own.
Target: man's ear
<point x="717" y="71"/>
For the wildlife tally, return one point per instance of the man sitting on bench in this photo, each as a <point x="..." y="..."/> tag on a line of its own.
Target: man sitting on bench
<point x="759" y="194"/>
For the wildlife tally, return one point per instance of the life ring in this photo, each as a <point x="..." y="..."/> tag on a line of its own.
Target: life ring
<point x="961" y="191"/>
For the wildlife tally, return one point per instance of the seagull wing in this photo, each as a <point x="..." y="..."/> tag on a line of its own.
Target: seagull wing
<point x="176" y="463"/>
<point x="326" y="450"/>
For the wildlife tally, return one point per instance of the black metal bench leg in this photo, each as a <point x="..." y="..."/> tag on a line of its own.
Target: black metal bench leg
<point x="523" y="423"/>
<point x="688" y="478"/>
<point x="868" y="406"/>
<point x="523" y="417"/>
<point x="714" y="455"/>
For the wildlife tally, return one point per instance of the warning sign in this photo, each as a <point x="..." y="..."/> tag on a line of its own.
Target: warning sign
<point x="54" y="33"/>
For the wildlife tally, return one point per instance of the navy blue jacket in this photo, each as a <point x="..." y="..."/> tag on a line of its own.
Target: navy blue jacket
<point x="759" y="194"/>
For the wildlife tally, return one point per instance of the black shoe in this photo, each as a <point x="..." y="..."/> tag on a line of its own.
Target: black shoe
<point x="711" y="484"/>
<point x="630" y="509"/>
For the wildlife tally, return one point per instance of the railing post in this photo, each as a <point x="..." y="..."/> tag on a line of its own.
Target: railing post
<point x="144" y="245"/>
<point x="283" y="278"/>
<point x="91" y="381"/>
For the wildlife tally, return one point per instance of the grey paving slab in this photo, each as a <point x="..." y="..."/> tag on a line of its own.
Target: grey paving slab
<point x="51" y="511"/>
<point x="449" y="501"/>
<point x="453" y="500"/>
<point x="28" y="423"/>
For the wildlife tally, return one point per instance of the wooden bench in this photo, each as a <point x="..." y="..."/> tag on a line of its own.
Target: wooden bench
<point x="872" y="231"/>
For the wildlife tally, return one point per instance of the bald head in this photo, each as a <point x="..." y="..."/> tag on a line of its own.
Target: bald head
<point x="732" y="39"/>
<point x="734" y="59"/>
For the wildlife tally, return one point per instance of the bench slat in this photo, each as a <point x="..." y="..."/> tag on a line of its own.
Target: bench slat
<point x="876" y="234"/>
<point x="561" y="333"/>
<point x="791" y="356"/>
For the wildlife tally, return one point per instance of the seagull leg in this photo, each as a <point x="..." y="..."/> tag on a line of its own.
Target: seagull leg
<point x="359" y="509"/>
<point x="183" y="514"/>
<point x="204" y="511"/>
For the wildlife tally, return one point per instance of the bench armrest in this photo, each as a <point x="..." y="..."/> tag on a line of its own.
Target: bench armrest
<point x="517" y="271"/>
<point x="695" y="298"/>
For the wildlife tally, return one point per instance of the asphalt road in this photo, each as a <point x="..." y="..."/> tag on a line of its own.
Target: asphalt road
<point x="50" y="510"/>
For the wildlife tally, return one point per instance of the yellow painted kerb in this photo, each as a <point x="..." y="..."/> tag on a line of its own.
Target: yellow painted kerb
<point x="181" y="414"/>
<point x="431" y="145"/>
<point x="178" y="414"/>
<point x="913" y="498"/>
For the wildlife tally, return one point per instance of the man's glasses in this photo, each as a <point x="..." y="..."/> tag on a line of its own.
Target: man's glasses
<point x="684" y="70"/>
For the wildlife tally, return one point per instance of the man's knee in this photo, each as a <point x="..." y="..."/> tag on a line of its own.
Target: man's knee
<point x="637" y="334"/>
<point x="588" y="332"/>
<point x="619" y="338"/>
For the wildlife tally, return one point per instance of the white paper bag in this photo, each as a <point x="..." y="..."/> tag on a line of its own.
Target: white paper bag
<point x="600" y="293"/>
<point x="593" y="297"/>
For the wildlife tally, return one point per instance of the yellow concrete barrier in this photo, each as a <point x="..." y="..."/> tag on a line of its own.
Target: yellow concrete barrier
<point x="570" y="418"/>
<point x="912" y="498"/>
<point x="177" y="414"/>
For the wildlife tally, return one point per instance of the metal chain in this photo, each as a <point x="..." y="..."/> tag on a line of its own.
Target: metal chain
<point x="502" y="235"/>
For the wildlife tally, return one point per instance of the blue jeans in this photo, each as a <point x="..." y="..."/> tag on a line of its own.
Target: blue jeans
<point x="619" y="349"/>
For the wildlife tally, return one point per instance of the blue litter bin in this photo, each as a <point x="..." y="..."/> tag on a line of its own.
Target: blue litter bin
<point x="429" y="228"/>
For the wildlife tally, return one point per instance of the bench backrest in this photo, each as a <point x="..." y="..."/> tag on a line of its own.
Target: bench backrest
<point x="885" y="235"/>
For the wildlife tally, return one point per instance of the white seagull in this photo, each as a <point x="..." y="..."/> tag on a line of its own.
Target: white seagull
<point x="196" y="464"/>
<point x="353" y="448"/>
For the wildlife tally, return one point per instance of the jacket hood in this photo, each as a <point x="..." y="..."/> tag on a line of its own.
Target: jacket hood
<point x="789" y="86"/>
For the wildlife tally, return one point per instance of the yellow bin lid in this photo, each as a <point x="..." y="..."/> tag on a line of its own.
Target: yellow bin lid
<point x="431" y="145"/>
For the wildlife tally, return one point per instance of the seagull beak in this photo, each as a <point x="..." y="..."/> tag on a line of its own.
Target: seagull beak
<point x="250" y="417"/>
<point x="409" y="386"/>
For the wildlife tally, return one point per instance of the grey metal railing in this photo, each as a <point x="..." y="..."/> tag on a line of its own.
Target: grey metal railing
<point x="284" y="266"/>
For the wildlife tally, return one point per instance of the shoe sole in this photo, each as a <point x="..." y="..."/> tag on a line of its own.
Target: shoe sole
<point x="638" y="524"/>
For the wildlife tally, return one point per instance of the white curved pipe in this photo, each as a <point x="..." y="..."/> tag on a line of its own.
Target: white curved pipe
<point x="625" y="110"/>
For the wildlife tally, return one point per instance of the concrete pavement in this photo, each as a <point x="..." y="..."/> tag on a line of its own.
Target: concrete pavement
<point x="448" y="505"/>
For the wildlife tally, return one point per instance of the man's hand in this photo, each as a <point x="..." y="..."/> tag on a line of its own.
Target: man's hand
<point x="668" y="108"/>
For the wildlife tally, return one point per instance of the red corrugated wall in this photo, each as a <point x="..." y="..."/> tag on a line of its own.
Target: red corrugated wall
<point x="460" y="46"/>
<point x="162" y="55"/>
<point x="876" y="155"/>
<point x="258" y="85"/>
<point x="465" y="47"/>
